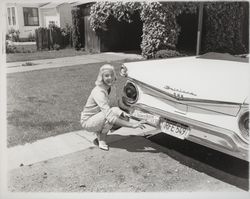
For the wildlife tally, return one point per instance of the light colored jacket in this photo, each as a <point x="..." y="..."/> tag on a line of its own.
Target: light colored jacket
<point x="99" y="100"/>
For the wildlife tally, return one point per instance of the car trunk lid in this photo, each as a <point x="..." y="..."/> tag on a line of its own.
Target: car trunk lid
<point x="195" y="79"/>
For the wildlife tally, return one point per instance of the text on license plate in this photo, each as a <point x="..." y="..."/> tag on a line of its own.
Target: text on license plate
<point x="175" y="129"/>
<point x="151" y="119"/>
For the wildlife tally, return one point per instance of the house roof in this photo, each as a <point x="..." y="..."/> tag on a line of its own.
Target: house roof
<point x="56" y="3"/>
<point x="80" y="2"/>
<point x="42" y="2"/>
<point x="52" y="3"/>
<point x="28" y="1"/>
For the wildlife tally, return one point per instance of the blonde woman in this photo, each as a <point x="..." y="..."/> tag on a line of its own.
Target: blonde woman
<point x="97" y="115"/>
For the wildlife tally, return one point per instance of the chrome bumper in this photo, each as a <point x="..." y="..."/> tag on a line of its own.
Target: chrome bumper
<point x="214" y="137"/>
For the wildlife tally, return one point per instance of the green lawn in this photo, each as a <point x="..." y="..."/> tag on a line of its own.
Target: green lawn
<point x="48" y="102"/>
<point x="68" y="52"/>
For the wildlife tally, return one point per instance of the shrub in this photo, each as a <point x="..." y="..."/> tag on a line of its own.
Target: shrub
<point x="56" y="36"/>
<point x="53" y="37"/>
<point x="10" y="48"/>
<point x="160" y="29"/>
<point x="67" y="35"/>
<point x="223" y="25"/>
<point x="167" y="54"/>
<point x="100" y="13"/>
<point x="56" y="47"/>
<point x="13" y="35"/>
<point x="76" y="33"/>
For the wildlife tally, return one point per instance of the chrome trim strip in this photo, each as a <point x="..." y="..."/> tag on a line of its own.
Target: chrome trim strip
<point x="185" y="100"/>
<point x="240" y="153"/>
<point x="155" y="92"/>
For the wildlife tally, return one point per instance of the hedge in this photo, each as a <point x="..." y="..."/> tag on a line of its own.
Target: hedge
<point x="160" y="27"/>
<point x="223" y="32"/>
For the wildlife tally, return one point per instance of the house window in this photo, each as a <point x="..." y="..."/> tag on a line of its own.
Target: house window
<point x="31" y="16"/>
<point x="11" y="16"/>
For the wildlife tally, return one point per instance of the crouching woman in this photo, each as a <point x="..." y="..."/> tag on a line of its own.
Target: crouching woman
<point x="97" y="115"/>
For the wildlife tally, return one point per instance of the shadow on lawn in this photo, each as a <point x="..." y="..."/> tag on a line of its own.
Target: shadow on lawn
<point x="25" y="119"/>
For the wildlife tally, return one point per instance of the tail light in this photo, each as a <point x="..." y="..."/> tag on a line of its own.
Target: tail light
<point x="244" y="125"/>
<point x="131" y="92"/>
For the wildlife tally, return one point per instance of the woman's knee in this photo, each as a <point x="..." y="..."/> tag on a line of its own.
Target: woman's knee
<point x="95" y="123"/>
<point x="116" y="111"/>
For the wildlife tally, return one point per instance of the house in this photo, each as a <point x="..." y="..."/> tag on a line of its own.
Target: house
<point x="26" y="17"/>
<point x="58" y="13"/>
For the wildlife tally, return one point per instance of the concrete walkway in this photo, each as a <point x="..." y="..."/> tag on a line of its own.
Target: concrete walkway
<point x="14" y="67"/>
<point x="64" y="144"/>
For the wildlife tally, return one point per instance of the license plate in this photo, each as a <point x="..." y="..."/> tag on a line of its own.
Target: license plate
<point x="149" y="118"/>
<point x="174" y="129"/>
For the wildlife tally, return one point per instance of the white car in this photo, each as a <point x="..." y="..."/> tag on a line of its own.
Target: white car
<point x="195" y="98"/>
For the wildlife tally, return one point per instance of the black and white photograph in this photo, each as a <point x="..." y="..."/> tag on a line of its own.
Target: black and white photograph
<point x="124" y="99"/>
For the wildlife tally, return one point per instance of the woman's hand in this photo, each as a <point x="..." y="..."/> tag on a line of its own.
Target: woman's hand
<point x="139" y="124"/>
<point x="125" y="116"/>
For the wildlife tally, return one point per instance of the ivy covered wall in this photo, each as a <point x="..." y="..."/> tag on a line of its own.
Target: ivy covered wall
<point x="223" y="27"/>
<point x="160" y="27"/>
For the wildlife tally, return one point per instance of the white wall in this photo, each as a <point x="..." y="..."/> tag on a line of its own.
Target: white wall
<point x="47" y="13"/>
<point x="65" y="14"/>
<point x="61" y="13"/>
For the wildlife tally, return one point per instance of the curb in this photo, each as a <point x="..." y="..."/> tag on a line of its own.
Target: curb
<point x="60" y="145"/>
<point x="15" y="67"/>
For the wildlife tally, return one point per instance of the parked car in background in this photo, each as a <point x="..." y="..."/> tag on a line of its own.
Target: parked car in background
<point x="200" y="99"/>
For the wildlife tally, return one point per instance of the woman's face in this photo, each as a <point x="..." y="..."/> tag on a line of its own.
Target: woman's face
<point x="108" y="78"/>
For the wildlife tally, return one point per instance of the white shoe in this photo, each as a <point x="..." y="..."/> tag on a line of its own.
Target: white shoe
<point x="103" y="146"/>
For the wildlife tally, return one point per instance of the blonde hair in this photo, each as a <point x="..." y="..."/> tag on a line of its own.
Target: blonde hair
<point x="105" y="67"/>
